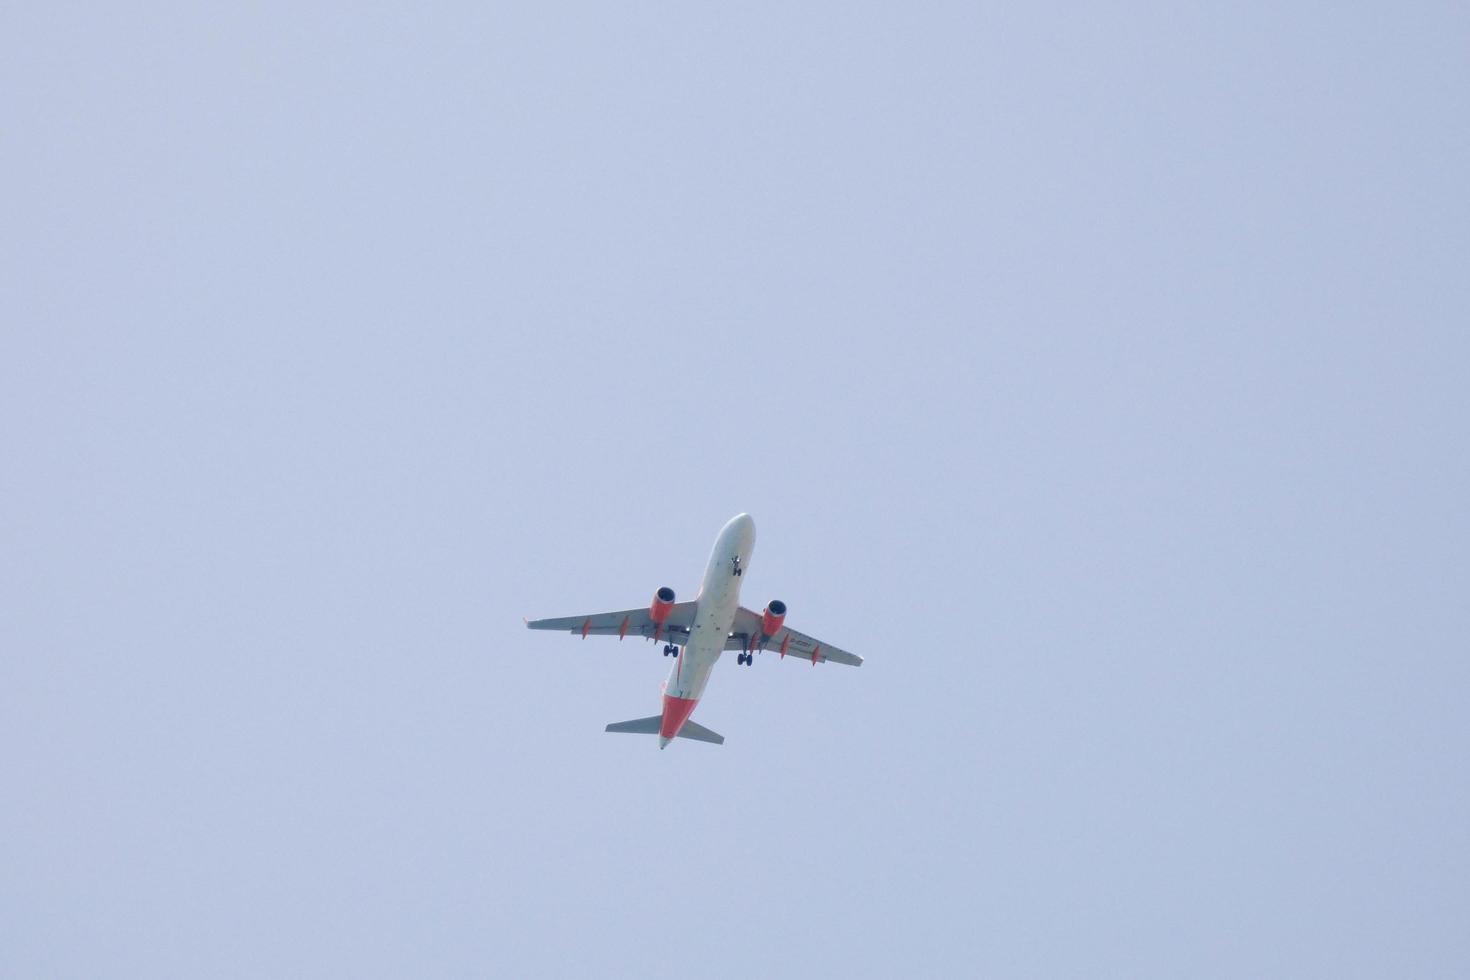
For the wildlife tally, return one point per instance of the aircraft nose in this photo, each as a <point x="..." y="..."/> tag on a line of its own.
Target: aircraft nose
<point x="742" y="526"/>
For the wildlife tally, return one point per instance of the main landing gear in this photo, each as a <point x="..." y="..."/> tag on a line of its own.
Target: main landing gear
<point x="670" y="650"/>
<point x="745" y="659"/>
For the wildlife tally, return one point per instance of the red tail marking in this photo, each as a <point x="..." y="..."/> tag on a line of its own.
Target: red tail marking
<point x="676" y="712"/>
<point x="814" y="654"/>
<point x="623" y="630"/>
<point x="586" y="625"/>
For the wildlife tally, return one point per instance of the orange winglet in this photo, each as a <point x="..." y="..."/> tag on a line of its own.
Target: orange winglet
<point x="623" y="630"/>
<point x="814" y="654"/>
<point x="586" y="625"/>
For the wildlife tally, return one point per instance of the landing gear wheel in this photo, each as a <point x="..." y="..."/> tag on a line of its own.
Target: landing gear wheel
<point x="668" y="649"/>
<point x="674" y="652"/>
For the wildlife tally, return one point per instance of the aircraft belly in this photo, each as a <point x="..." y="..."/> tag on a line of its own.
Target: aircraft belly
<point x="706" y="643"/>
<point x="719" y="598"/>
<point x="691" y="673"/>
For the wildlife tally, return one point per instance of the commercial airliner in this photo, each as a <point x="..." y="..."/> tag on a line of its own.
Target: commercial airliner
<point x="696" y="633"/>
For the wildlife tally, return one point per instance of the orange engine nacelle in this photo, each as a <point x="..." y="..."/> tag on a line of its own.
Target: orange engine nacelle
<point x="663" y="605"/>
<point x="772" y="617"/>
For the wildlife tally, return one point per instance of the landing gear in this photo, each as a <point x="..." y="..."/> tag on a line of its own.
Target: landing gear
<point x="745" y="659"/>
<point x="670" y="650"/>
<point x="735" y="565"/>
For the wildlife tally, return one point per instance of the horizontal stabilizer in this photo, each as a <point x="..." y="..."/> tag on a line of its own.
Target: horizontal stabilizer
<point x="650" y="726"/>
<point x="700" y="734"/>
<point x="638" y="726"/>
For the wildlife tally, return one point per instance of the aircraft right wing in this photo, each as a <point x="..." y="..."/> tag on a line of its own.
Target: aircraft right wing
<point x="799" y="645"/>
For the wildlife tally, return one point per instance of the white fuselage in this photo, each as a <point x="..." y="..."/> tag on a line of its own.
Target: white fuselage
<point x="714" y="611"/>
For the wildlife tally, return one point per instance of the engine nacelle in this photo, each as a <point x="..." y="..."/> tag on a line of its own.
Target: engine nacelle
<point x="772" y="617"/>
<point x="663" y="605"/>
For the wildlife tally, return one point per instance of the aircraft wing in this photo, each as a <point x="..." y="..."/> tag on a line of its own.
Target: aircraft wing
<point x="628" y="622"/>
<point x="747" y="628"/>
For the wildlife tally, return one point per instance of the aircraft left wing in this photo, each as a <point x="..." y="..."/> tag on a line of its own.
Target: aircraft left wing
<point x="628" y="622"/>
<point x="747" y="630"/>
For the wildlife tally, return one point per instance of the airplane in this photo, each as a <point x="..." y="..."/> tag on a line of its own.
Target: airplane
<point x="698" y="631"/>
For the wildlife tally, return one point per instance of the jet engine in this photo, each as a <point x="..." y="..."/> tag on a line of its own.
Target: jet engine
<point x="663" y="605"/>
<point x="772" y="617"/>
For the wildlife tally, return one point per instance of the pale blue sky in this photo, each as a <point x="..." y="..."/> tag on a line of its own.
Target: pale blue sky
<point x="1099" y="373"/>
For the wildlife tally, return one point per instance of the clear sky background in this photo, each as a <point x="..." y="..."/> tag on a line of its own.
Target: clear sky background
<point x="1098" y="372"/>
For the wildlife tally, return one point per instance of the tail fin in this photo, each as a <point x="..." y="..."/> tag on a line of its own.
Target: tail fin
<point x="650" y="726"/>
